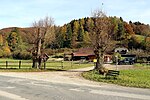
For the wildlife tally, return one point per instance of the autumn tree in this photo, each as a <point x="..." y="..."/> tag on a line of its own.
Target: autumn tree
<point x="59" y="40"/>
<point x="68" y="36"/>
<point x="80" y="33"/>
<point x="44" y="33"/>
<point x="86" y="39"/>
<point x="146" y="40"/>
<point x="75" y="33"/>
<point x="148" y="44"/>
<point x="14" y="40"/>
<point x="101" y="36"/>
<point x="1" y="40"/>
<point x="89" y="23"/>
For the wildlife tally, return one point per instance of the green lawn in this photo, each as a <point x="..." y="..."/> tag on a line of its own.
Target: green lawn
<point x="132" y="78"/>
<point x="142" y="65"/>
<point x="140" y="37"/>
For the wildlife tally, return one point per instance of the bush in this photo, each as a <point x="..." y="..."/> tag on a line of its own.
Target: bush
<point x="1" y="53"/>
<point x="22" y="55"/>
<point x="58" y="56"/>
<point x="6" y="51"/>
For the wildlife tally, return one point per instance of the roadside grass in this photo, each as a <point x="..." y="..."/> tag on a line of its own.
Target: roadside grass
<point x="142" y="65"/>
<point x="22" y="70"/>
<point x="131" y="78"/>
<point x="26" y="65"/>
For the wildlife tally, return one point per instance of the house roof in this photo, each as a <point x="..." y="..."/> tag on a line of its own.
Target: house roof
<point x="80" y="54"/>
<point x="84" y="52"/>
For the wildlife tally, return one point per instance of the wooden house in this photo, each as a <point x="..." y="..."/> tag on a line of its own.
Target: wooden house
<point x="88" y="54"/>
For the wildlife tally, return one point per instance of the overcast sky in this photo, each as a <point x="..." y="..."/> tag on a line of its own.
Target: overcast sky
<point x="21" y="13"/>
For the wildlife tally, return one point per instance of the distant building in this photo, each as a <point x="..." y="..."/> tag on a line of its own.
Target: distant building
<point x="108" y="59"/>
<point x="84" y="53"/>
<point x="121" y="50"/>
<point x="88" y="54"/>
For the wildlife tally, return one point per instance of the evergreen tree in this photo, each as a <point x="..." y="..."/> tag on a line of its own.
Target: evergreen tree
<point x="63" y="31"/>
<point x="75" y="34"/>
<point x="67" y="42"/>
<point x="89" y="24"/>
<point x="80" y="34"/>
<point x="13" y="41"/>
<point x="121" y="31"/>
<point x="115" y="30"/>
<point x="59" y="41"/>
<point x="86" y="39"/>
<point x="82" y="22"/>
<point x="69" y="32"/>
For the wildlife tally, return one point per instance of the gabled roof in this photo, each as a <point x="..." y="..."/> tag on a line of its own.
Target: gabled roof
<point x="80" y="54"/>
<point x="84" y="52"/>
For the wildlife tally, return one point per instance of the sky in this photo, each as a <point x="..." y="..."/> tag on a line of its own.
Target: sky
<point x="22" y="13"/>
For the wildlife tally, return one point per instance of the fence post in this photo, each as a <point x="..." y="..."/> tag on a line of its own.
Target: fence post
<point x="44" y="64"/>
<point x="71" y="62"/>
<point x="19" y="64"/>
<point x="6" y="64"/>
<point x="62" y="65"/>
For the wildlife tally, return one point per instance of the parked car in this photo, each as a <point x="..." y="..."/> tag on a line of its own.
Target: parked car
<point x="127" y="61"/>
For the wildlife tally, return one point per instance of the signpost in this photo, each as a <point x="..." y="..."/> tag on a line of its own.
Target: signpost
<point x="116" y="62"/>
<point x="94" y="60"/>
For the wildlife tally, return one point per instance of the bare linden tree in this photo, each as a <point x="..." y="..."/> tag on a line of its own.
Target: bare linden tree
<point x="101" y="36"/>
<point x="43" y="35"/>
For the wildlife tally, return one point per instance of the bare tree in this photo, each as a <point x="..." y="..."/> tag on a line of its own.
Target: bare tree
<point x="43" y="35"/>
<point x="101" y="36"/>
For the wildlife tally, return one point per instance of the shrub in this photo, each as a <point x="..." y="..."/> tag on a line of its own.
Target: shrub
<point x="6" y="51"/>
<point x="1" y="53"/>
<point x="58" y="56"/>
<point x="22" y="55"/>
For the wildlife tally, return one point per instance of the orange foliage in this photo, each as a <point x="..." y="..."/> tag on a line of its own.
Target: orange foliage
<point x="128" y="28"/>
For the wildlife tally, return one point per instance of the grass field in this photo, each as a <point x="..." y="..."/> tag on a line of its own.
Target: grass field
<point x="139" y="77"/>
<point x="54" y="65"/>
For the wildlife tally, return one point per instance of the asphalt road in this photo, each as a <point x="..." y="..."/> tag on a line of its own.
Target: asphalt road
<point x="13" y="88"/>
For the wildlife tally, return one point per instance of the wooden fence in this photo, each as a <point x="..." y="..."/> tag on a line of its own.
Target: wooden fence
<point x="48" y="65"/>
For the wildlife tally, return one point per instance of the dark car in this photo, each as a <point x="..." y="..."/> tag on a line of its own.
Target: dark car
<point x="127" y="61"/>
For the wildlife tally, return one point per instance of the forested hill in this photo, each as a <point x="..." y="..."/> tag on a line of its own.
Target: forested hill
<point x="76" y="34"/>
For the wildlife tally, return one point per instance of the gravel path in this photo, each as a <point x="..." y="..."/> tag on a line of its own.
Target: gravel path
<point x="70" y="77"/>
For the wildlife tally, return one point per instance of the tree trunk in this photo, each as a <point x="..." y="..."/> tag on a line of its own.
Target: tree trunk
<point x="39" y="44"/>
<point x="34" y="63"/>
<point x="100" y="61"/>
<point x="36" y="55"/>
<point x="39" y="62"/>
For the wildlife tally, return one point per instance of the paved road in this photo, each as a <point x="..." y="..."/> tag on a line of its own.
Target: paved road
<point x="15" y="88"/>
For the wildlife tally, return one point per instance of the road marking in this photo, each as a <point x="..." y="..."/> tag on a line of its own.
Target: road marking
<point x="77" y="89"/>
<point x="127" y="95"/>
<point x="39" y="84"/>
<point x="10" y="87"/>
<point x="11" y="96"/>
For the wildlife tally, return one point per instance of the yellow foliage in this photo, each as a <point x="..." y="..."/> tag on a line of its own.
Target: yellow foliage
<point x="1" y="40"/>
<point x="7" y="51"/>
